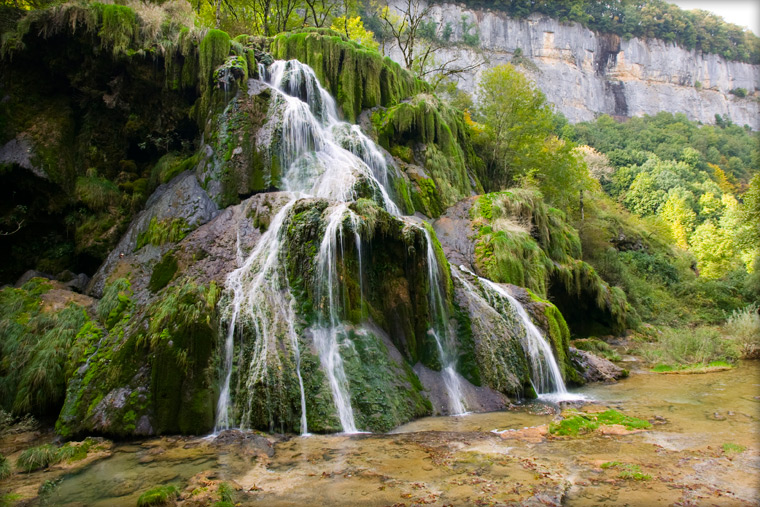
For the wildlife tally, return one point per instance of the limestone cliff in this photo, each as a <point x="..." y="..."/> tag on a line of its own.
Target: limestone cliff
<point x="585" y="73"/>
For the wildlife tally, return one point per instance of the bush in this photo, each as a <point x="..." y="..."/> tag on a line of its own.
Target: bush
<point x="744" y="327"/>
<point x="160" y="495"/>
<point x="38" y="457"/>
<point x="739" y="92"/>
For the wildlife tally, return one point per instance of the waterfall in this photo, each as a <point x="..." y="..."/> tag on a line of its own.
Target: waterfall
<point x="441" y="332"/>
<point x="545" y="373"/>
<point x="322" y="157"/>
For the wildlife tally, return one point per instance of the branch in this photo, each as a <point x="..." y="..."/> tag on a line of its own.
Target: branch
<point x="18" y="228"/>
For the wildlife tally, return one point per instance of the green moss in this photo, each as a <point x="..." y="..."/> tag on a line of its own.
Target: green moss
<point x="357" y="77"/>
<point x="116" y="305"/>
<point x="119" y="27"/>
<point x="438" y="132"/>
<point x="159" y="495"/>
<point x="581" y="423"/>
<point x="213" y="50"/>
<point x="163" y="272"/>
<point x="380" y="394"/>
<point x="159" y="232"/>
<point x="181" y="338"/>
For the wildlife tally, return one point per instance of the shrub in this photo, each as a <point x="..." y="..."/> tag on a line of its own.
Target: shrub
<point x="159" y="495"/>
<point x="744" y="327"/>
<point x="739" y="92"/>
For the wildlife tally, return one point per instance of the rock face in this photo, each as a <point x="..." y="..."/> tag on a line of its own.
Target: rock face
<point x="594" y="368"/>
<point x="585" y="73"/>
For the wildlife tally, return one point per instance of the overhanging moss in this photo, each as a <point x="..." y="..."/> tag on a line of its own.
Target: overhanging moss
<point x="359" y="78"/>
<point x="432" y="134"/>
<point x="522" y="241"/>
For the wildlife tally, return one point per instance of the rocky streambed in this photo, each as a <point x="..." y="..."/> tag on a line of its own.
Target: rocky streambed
<point x="702" y="448"/>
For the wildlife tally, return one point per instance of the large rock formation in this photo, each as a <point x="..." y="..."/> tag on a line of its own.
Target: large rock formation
<point x="585" y="73"/>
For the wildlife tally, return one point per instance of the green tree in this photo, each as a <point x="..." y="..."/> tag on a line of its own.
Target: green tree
<point x="354" y="29"/>
<point x="518" y="140"/>
<point x="714" y="249"/>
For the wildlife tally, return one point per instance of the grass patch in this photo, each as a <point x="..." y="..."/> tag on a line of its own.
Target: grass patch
<point x="693" y="368"/>
<point x="160" y="495"/>
<point x="38" y="457"/>
<point x="582" y="423"/>
<point x="627" y="471"/>
<point x="5" y="467"/>
<point x="76" y="451"/>
<point x="730" y="448"/>
<point x="684" y="348"/>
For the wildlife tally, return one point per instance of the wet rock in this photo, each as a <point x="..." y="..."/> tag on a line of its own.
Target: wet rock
<point x="594" y="368"/>
<point x="78" y="283"/>
<point x="454" y="231"/>
<point x="244" y="442"/>
<point x="182" y="198"/>
<point x="477" y="399"/>
<point x="19" y="151"/>
<point x="32" y="273"/>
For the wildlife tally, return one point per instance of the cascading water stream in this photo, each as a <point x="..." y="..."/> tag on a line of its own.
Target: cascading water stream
<point x="545" y="373"/>
<point x="441" y="333"/>
<point x="326" y="158"/>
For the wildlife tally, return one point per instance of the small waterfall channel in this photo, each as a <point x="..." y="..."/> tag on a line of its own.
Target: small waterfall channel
<point x="326" y="158"/>
<point x="546" y="377"/>
<point x="441" y="331"/>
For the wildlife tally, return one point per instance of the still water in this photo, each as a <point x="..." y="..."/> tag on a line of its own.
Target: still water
<point x="475" y="460"/>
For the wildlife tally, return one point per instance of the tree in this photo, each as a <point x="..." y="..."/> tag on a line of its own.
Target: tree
<point x="406" y="23"/>
<point x="321" y="11"/>
<point x="518" y="142"/>
<point x="354" y="30"/>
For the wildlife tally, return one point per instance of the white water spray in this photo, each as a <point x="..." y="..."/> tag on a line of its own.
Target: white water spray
<point x="545" y="373"/>
<point x="326" y="158"/>
<point x="441" y="332"/>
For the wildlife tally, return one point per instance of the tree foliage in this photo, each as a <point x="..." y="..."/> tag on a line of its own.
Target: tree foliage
<point x="688" y="177"/>
<point x="518" y="142"/>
